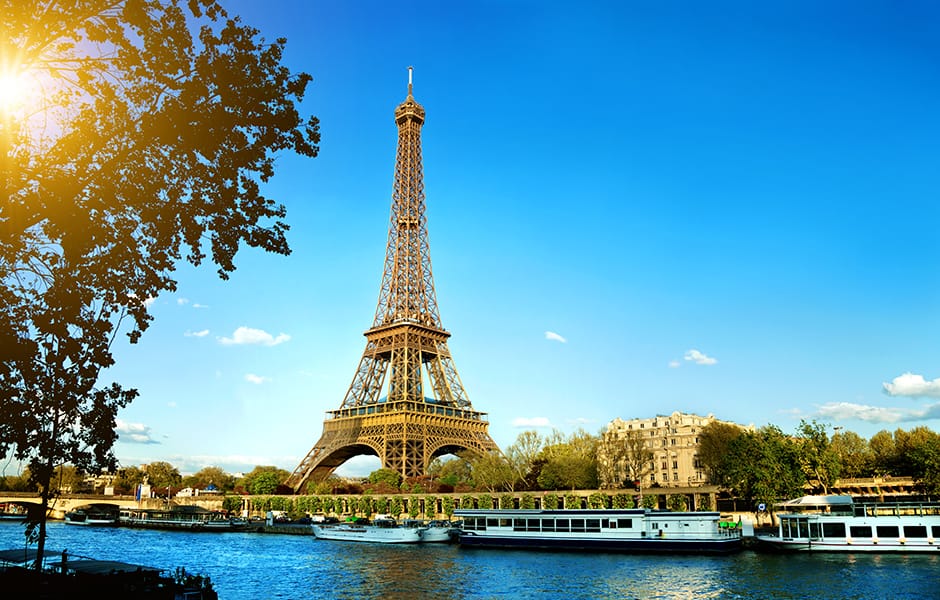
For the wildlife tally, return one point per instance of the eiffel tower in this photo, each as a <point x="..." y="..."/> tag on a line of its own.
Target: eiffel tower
<point x="406" y="429"/>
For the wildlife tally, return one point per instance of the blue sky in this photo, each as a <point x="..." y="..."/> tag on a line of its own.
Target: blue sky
<point x="634" y="208"/>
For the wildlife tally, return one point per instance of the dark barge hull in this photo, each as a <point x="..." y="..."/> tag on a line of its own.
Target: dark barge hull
<point x="640" y="546"/>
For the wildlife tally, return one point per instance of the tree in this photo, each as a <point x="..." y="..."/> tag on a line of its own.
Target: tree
<point x="883" y="454"/>
<point x="207" y="476"/>
<point x="926" y="465"/>
<point x="523" y="456"/>
<point x="387" y="477"/>
<point x="912" y="447"/>
<point x="714" y="441"/>
<point x="453" y="472"/>
<point x="763" y="466"/>
<point x="148" y="146"/>
<point x="69" y="479"/>
<point x="571" y="463"/>
<point x="127" y="480"/>
<point x="17" y="483"/>
<point x="263" y="480"/>
<point x="492" y="472"/>
<point x="853" y="452"/>
<point x="819" y="461"/>
<point x="623" y="458"/>
<point x="161" y="474"/>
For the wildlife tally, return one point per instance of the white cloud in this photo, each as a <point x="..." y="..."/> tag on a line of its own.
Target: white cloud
<point x="909" y="384"/>
<point x="843" y="411"/>
<point x="255" y="379"/>
<point x="247" y="335"/>
<point x="201" y="333"/>
<point x="182" y="301"/>
<point x="197" y="305"/>
<point x="674" y="364"/>
<point x="531" y="422"/>
<point x="699" y="358"/>
<point x="551" y="335"/>
<point x="134" y="433"/>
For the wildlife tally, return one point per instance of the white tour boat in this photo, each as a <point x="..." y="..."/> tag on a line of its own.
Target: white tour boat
<point x="192" y="518"/>
<point x="384" y="531"/>
<point x="839" y="524"/>
<point x="93" y="517"/>
<point x="434" y="531"/>
<point x="628" y="530"/>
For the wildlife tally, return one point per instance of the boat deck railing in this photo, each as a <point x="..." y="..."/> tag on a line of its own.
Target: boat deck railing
<point x="897" y="509"/>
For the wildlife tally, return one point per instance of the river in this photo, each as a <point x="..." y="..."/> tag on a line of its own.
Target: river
<point x="265" y="566"/>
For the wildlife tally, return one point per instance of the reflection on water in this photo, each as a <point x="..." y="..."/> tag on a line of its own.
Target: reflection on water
<point x="255" y="566"/>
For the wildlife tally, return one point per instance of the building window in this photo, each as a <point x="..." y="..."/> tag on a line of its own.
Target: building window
<point x="675" y="464"/>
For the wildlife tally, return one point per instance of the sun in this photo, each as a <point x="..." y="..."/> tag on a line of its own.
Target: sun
<point x="14" y="90"/>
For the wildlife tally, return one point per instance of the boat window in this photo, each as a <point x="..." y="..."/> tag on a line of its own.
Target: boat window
<point x="888" y="531"/>
<point x="935" y="530"/>
<point x="561" y="524"/>
<point x="505" y="522"/>
<point x="518" y="524"/>
<point x="593" y="526"/>
<point x="795" y="528"/>
<point x="492" y="522"/>
<point x="834" y="530"/>
<point x="915" y="531"/>
<point x="606" y="524"/>
<point x="532" y="524"/>
<point x="860" y="531"/>
<point x="814" y="531"/>
<point x="577" y="524"/>
<point x="624" y="523"/>
<point x="548" y="525"/>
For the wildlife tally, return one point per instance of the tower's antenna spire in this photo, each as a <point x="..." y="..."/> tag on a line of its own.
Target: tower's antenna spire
<point x="410" y="71"/>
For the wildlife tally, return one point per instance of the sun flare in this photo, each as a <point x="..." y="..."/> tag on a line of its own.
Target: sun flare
<point x="14" y="90"/>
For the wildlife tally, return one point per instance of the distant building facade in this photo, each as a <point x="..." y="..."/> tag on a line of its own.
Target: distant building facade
<point x="673" y="442"/>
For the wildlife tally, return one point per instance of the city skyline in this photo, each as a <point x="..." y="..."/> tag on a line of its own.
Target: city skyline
<point x="632" y="210"/>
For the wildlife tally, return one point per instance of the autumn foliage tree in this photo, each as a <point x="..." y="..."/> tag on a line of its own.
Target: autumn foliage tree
<point x="144" y="133"/>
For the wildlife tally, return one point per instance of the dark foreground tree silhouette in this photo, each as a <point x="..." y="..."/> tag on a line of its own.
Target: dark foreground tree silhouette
<point x="142" y="136"/>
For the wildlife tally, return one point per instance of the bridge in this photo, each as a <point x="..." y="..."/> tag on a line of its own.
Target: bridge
<point x="65" y="503"/>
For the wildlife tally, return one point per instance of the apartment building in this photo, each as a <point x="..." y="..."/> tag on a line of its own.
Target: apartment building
<point x="671" y="439"/>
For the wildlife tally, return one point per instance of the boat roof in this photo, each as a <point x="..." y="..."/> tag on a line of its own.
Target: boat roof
<point x="819" y="501"/>
<point x="103" y="567"/>
<point x="19" y="555"/>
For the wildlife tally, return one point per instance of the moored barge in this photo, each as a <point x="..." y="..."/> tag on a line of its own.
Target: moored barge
<point x="606" y="530"/>
<point x="839" y="524"/>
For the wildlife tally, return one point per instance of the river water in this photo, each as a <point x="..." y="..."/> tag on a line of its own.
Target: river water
<point x="261" y="566"/>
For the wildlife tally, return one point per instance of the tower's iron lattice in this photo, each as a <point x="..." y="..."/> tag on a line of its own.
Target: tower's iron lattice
<point x="412" y="424"/>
